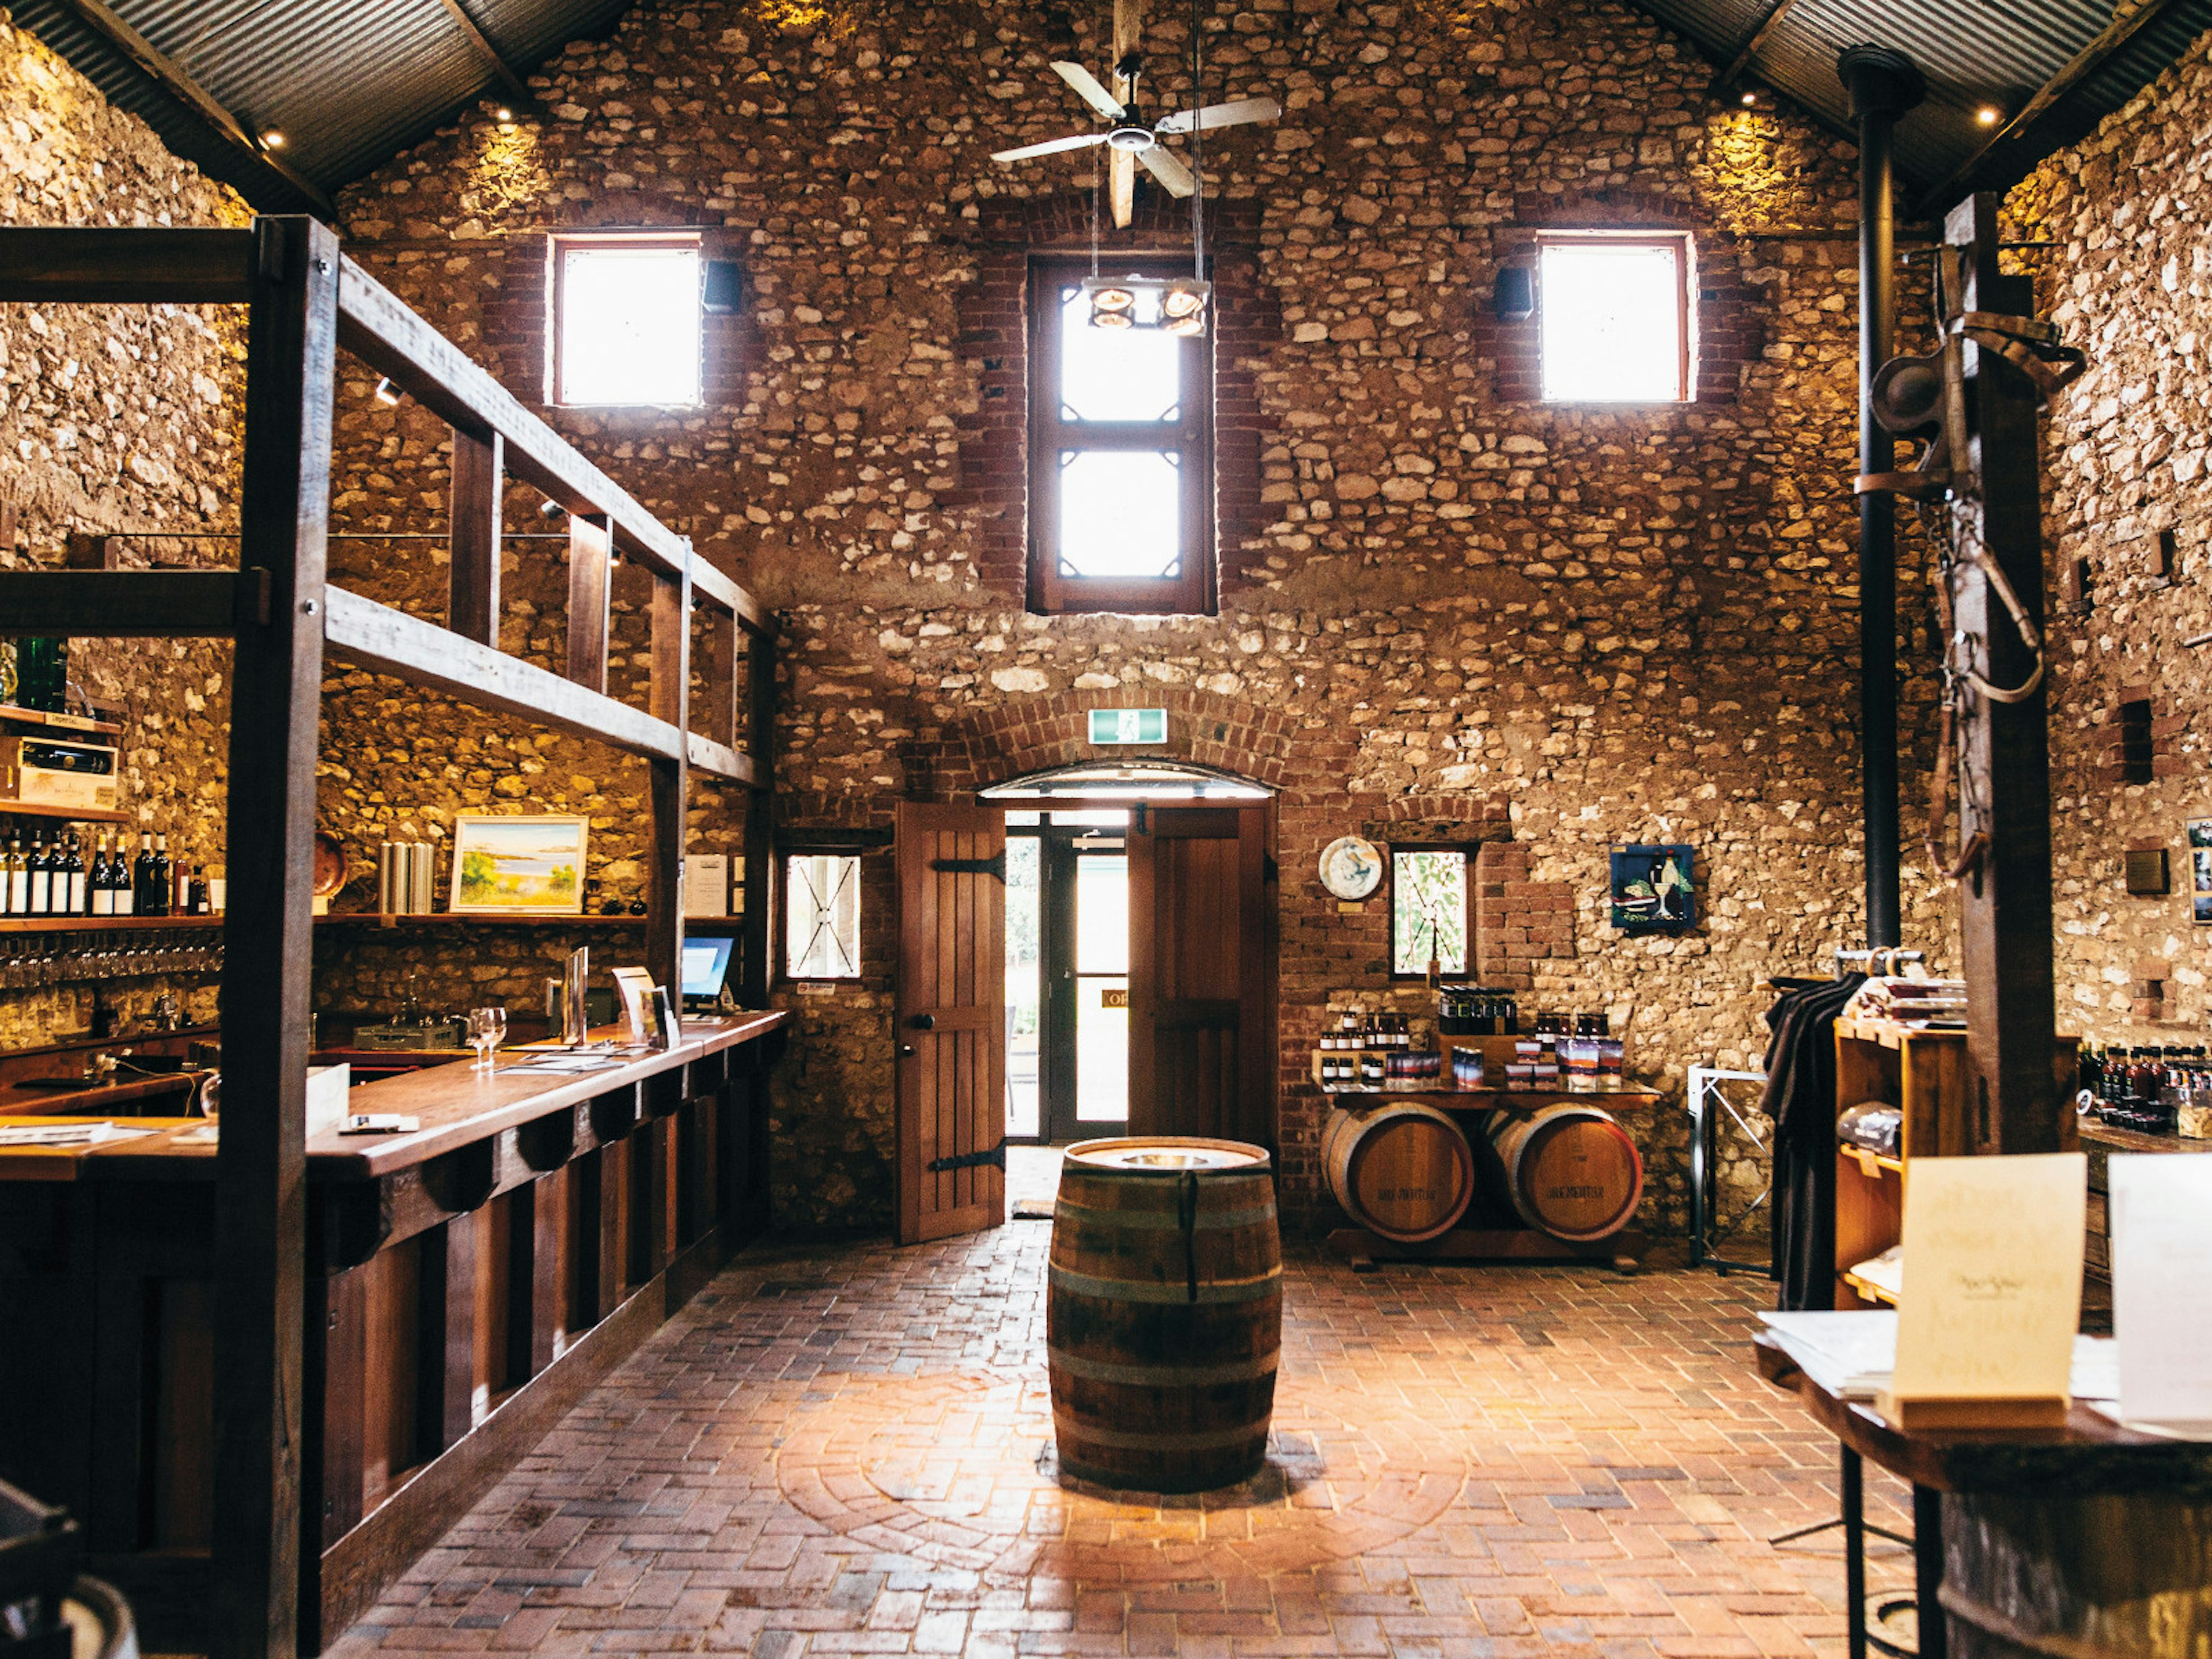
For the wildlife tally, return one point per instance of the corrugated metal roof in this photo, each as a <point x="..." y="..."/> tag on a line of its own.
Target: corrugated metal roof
<point x="1976" y="54"/>
<point x="349" y="85"/>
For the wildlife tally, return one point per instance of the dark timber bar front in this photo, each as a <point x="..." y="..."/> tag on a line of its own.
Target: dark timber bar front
<point x="548" y="1232"/>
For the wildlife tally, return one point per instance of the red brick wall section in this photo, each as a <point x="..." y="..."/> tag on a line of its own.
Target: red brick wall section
<point x="1517" y="921"/>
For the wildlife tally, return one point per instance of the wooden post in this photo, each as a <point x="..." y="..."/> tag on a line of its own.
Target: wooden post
<point x="261" y="1160"/>
<point x="754" y="942"/>
<point x="473" y="528"/>
<point x="591" y="551"/>
<point x="2004" y="756"/>
<point x="668" y="697"/>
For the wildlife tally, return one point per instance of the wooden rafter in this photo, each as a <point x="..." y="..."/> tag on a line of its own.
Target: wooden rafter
<point x="518" y="90"/>
<point x="171" y="76"/>
<point x="1777" y="12"/>
<point x="2108" y="40"/>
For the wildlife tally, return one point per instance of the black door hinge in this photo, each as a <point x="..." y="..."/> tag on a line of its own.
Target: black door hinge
<point x="996" y="1156"/>
<point x="994" y="865"/>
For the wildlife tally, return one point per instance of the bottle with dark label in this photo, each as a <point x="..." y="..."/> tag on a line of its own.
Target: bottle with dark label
<point x="195" y="894"/>
<point x="41" y="877"/>
<point x="160" y="883"/>
<point x="73" y="902"/>
<point x="141" y="876"/>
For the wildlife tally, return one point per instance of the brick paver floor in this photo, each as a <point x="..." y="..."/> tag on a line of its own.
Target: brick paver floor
<point x="847" y="1448"/>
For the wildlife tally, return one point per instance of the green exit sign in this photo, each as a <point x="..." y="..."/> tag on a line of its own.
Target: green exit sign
<point x="1128" y="725"/>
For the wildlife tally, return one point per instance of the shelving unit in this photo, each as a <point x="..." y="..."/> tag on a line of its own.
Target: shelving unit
<point x="104" y="923"/>
<point x="25" y="809"/>
<point x="713" y="925"/>
<point x="1924" y="1072"/>
<point x="23" y="716"/>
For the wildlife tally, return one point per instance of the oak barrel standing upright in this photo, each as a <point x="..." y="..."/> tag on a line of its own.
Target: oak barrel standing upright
<point x="1164" y="1312"/>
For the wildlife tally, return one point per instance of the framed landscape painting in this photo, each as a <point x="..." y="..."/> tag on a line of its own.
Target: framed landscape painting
<point x="519" y="867"/>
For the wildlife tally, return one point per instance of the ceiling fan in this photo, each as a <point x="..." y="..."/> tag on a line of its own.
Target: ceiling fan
<point x="1132" y="139"/>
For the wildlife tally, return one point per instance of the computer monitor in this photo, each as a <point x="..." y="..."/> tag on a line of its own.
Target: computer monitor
<point x="706" y="966"/>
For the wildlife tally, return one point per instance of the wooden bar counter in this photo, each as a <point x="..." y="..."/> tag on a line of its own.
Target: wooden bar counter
<point x="467" y="1283"/>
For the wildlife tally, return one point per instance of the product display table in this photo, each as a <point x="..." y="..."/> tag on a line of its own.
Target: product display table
<point x="2081" y="1541"/>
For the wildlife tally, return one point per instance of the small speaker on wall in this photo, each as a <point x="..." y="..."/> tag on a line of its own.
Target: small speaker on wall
<point x="1515" y="297"/>
<point x="725" y="287"/>
<point x="2146" y="872"/>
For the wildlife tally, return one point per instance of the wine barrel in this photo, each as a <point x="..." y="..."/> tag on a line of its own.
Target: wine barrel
<point x="1401" y="1169"/>
<point x="1570" y="1171"/>
<point x="1164" y="1312"/>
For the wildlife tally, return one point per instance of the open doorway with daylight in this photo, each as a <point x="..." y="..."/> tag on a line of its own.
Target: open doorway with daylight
<point x="1083" y="953"/>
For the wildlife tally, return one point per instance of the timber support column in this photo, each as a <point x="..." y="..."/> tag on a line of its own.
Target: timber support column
<point x="2004" y="752"/>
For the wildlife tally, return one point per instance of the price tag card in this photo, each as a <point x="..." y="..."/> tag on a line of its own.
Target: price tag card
<point x="1992" y="1293"/>
<point x="2161" y="1207"/>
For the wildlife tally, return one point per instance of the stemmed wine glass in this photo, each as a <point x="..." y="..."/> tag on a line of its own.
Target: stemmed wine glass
<point x="487" y="1030"/>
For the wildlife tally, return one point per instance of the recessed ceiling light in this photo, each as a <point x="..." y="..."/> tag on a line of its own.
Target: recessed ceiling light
<point x="1989" y="115"/>
<point x="272" y="139"/>
<point x="1749" y="98"/>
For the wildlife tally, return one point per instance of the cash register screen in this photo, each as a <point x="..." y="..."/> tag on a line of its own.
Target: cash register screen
<point x="706" y="964"/>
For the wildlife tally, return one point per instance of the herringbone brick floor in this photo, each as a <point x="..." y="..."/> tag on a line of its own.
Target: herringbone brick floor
<point x="846" y="1449"/>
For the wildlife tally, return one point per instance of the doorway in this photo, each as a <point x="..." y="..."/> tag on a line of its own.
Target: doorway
<point x="1067" y="974"/>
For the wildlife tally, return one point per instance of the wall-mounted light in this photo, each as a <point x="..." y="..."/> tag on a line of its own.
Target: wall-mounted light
<point x="387" y="393"/>
<point x="1750" y="100"/>
<point x="549" y="508"/>
<point x="1172" y="305"/>
<point x="506" y="116"/>
<point x="1989" y="115"/>
<point x="272" y="139"/>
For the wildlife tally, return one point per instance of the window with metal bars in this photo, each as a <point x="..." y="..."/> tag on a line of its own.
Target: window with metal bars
<point x="821" y="911"/>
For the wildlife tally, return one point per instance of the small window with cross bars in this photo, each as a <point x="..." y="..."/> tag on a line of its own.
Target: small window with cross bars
<point x="822" y="906"/>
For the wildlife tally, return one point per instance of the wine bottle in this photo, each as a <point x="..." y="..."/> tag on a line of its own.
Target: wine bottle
<point x="159" y="884"/>
<point x="100" y="897"/>
<point x="73" y="902"/>
<point x="16" y="898"/>
<point x="41" y="876"/>
<point x="124" y="890"/>
<point x="196" y="903"/>
<point x="141" y="876"/>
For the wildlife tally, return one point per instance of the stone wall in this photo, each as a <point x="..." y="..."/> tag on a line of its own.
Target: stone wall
<point x="119" y="418"/>
<point x="2130" y="504"/>
<point x="1576" y="625"/>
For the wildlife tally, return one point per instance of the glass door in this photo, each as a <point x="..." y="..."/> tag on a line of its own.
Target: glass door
<point x="1067" y="974"/>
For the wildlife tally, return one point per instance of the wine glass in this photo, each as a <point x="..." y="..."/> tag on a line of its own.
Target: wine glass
<point x="487" y="1030"/>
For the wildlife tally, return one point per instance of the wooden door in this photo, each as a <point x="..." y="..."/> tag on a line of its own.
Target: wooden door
<point x="952" y="1009"/>
<point x="1202" y="972"/>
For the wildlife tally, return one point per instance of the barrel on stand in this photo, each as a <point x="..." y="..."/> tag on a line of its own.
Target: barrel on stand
<point x="1164" y="1312"/>
<point x="1400" y="1169"/>
<point x="1569" y="1170"/>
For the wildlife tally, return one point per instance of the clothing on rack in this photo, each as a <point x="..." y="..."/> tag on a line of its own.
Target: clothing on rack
<point x="1801" y="1099"/>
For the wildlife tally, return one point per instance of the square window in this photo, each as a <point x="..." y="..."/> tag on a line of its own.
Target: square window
<point x="822" y="915"/>
<point x="626" y="320"/>
<point x="1430" y="908"/>
<point x="1614" y="319"/>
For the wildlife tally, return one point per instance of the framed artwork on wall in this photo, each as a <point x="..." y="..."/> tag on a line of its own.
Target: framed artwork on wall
<point x="2200" y="871"/>
<point x="1654" y="888"/>
<point x="519" y="867"/>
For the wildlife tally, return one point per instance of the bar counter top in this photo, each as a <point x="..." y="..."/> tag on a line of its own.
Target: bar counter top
<point x="457" y="1106"/>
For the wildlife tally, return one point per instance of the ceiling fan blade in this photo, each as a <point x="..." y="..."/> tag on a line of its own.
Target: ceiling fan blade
<point x="1169" y="172"/>
<point x="1243" y="111"/>
<point x="1122" y="179"/>
<point x="1081" y="141"/>
<point x="1087" y="87"/>
<point x="1128" y="24"/>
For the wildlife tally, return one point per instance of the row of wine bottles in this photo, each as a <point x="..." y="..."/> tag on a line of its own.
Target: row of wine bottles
<point x="54" y="878"/>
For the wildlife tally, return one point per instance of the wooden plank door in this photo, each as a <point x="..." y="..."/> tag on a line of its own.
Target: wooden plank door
<point x="1202" y="973"/>
<point x="951" y="1008"/>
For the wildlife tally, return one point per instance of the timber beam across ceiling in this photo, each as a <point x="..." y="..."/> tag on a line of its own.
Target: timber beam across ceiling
<point x="171" y="77"/>
<point x="518" y="90"/>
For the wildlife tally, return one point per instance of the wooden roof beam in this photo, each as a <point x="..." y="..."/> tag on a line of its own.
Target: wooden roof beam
<point x="2108" y="40"/>
<point x="170" y="76"/>
<point x="1777" y="12"/>
<point x="518" y="90"/>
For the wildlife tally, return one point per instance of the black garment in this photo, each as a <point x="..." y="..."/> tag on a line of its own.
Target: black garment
<point x="1801" y="1099"/>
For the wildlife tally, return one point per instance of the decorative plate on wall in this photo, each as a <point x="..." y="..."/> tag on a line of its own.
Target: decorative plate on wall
<point x="1352" y="866"/>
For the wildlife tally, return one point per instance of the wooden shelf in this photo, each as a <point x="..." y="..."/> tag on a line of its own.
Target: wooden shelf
<point x="103" y="924"/>
<point x="1867" y="1290"/>
<point x="24" y="809"/>
<point x="1486" y="1100"/>
<point x="23" y="716"/>
<point x="447" y="919"/>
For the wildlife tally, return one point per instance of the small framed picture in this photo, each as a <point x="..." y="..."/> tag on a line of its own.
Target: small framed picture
<point x="2200" y="871"/>
<point x="519" y="867"/>
<point x="1654" y="889"/>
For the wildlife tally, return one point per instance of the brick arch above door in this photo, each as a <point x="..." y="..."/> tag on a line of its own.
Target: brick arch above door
<point x="1032" y="734"/>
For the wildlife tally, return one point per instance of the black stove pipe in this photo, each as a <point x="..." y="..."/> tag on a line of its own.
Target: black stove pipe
<point x="1883" y="84"/>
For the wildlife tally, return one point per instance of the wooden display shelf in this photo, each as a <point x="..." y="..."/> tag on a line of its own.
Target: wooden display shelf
<point x="447" y="919"/>
<point x="23" y="716"/>
<point x="102" y="924"/>
<point x="1622" y="1095"/>
<point x="1362" y="1250"/>
<point x="27" y="809"/>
